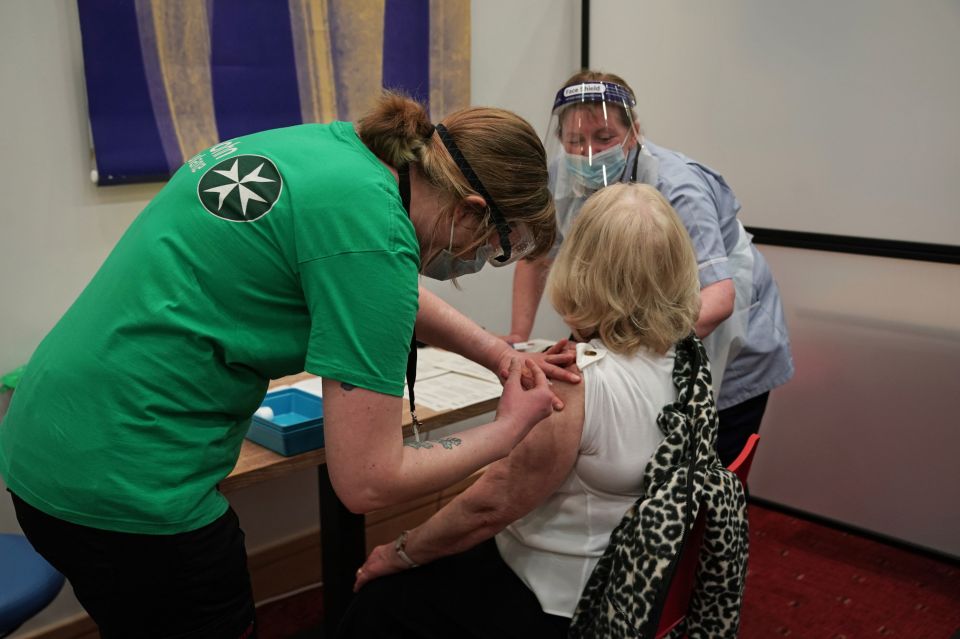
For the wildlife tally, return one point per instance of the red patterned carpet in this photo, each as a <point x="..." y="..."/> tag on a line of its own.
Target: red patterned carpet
<point x="808" y="581"/>
<point x="805" y="581"/>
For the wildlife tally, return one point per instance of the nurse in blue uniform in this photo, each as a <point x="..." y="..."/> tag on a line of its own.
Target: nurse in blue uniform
<point x="594" y="140"/>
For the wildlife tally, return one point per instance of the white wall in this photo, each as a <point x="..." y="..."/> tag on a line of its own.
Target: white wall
<point x="56" y="227"/>
<point x="518" y="57"/>
<point x="866" y="432"/>
<point x="830" y="117"/>
<point x="840" y="116"/>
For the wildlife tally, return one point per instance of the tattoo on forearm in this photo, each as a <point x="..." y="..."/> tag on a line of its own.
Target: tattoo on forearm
<point x="446" y="442"/>
<point x="347" y="387"/>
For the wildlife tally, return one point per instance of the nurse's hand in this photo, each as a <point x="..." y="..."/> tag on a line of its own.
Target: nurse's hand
<point x="553" y="362"/>
<point x="522" y="408"/>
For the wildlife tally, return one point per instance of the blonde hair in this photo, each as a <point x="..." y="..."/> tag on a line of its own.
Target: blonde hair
<point x="501" y="147"/>
<point x="628" y="271"/>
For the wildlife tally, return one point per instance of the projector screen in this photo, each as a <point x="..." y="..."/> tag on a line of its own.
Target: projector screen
<point x="824" y="116"/>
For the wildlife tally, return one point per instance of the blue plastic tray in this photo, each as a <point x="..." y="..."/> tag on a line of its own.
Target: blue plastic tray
<point x="296" y="425"/>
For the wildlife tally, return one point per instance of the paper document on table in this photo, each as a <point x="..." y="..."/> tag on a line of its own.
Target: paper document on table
<point x="425" y="368"/>
<point x="447" y="361"/>
<point x="453" y="390"/>
<point x="536" y="345"/>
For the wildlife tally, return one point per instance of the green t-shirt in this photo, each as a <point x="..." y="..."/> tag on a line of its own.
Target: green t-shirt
<point x="266" y="255"/>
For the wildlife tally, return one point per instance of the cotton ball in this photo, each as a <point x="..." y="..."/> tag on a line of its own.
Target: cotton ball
<point x="264" y="412"/>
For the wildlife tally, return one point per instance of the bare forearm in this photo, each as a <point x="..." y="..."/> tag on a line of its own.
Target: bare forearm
<point x="440" y="324"/>
<point x="716" y="305"/>
<point x="477" y="514"/>
<point x="369" y="465"/>
<point x="472" y="517"/>
<point x="419" y="468"/>
<point x="447" y="460"/>
<point x="509" y="489"/>
<point x="529" y="280"/>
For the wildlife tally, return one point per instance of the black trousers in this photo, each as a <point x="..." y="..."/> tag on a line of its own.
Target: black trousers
<point x="736" y="424"/>
<point x="192" y="585"/>
<point x="473" y="595"/>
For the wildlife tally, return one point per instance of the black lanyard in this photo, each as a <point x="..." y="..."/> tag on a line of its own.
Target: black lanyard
<point x="404" y="174"/>
<point x="636" y="161"/>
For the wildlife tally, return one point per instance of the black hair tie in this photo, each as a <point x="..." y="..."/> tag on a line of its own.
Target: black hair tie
<point x="503" y="229"/>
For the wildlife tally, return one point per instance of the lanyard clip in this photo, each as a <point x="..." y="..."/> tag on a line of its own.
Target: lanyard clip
<point x="416" y="425"/>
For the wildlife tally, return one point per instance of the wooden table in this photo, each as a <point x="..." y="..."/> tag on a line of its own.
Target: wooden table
<point x="342" y="533"/>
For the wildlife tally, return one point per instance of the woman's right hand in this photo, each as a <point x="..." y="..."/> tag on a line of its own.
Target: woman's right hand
<point x="383" y="561"/>
<point x="522" y="408"/>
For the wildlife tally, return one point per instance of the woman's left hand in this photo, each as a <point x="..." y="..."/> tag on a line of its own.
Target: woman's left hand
<point x="383" y="561"/>
<point x="553" y="362"/>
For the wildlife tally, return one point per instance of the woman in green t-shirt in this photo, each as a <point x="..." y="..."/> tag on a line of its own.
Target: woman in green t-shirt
<point x="287" y="250"/>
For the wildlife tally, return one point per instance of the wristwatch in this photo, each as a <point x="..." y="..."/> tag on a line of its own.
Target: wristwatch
<point x="400" y="545"/>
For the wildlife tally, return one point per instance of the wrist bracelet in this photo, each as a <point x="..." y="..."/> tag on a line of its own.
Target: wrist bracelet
<point x="400" y="545"/>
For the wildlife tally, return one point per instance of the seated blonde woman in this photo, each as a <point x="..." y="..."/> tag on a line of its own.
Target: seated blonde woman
<point x="510" y="556"/>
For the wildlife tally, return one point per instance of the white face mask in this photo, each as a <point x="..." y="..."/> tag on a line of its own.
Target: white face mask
<point x="445" y="265"/>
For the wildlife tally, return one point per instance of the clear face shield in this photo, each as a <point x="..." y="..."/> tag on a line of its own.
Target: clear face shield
<point x="592" y="131"/>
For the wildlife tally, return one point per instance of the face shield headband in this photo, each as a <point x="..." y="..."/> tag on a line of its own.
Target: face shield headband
<point x="503" y="229"/>
<point x="594" y="92"/>
<point x="591" y="133"/>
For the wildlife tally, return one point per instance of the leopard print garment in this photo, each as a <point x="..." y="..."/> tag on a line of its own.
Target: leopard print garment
<point x="626" y="590"/>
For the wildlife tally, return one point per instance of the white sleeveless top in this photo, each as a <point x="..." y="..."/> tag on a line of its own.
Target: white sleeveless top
<point x="555" y="548"/>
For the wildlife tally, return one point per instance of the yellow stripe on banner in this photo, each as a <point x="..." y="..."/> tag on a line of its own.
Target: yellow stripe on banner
<point x="356" y="42"/>
<point x="311" y="44"/>
<point x="449" y="56"/>
<point x="183" y="50"/>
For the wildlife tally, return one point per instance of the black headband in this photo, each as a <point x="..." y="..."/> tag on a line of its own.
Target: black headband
<point x="502" y="227"/>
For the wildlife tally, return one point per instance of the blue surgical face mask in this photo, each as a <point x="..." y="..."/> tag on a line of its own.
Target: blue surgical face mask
<point x="445" y="265"/>
<point x="606" y="167"/>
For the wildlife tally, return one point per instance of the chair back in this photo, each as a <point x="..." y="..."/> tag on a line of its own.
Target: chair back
<point x="741" y="465"/>
<point x="27" y="582"/>
<point x="685" y="574"/>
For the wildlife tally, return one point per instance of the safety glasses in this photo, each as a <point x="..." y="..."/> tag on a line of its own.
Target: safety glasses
<point x="518" y="244"/>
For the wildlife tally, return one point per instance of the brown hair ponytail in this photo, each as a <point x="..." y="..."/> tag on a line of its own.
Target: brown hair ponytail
<point x="501" y="147"/>
<point x="395" y="129"/>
